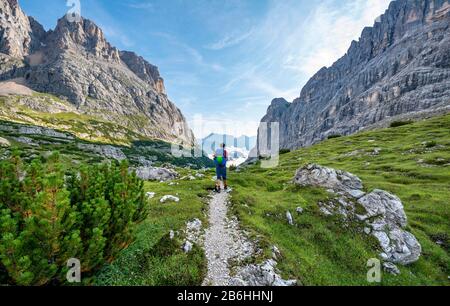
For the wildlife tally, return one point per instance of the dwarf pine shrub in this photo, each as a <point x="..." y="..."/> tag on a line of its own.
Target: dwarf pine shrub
<point x="49" y="215"/>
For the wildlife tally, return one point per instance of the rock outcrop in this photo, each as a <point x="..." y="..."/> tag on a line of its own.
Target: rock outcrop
<point x="399" y="68"/>
<point x="381" y="213"/>
<point x="156" y="174"/>
<point x="76" y="62"/>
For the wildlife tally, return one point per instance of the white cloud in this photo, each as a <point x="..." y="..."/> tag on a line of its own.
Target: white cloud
<point x="328" y="31"/>
<point x="192" y="52"/>
<point x="113" y="33"/>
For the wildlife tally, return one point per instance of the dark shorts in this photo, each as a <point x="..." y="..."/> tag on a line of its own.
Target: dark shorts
<point x="221" y="173"/>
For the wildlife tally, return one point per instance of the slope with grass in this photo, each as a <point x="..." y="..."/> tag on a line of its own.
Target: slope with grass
<point x="154" y="258"/>
<point x="411" y="161"/>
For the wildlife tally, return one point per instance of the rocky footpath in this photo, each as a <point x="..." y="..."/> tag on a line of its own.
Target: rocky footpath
<point x="380" y="213"/>
<point x="227" y="246"/>
<point x="399" y="69"/>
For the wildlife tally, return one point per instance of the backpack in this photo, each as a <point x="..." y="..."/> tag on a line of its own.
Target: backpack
<point x="221" y="158"/>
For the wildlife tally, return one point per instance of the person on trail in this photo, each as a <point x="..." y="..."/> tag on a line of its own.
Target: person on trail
<point x="220" y="160"/>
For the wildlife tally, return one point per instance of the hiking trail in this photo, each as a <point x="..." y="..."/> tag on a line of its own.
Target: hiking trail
<point x="224" y="242"/>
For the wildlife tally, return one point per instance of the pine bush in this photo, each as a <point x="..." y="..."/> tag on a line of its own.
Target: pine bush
<point x="49" y="214"/>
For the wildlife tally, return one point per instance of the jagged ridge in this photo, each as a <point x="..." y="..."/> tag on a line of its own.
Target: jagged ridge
<point x="399" y="67"/>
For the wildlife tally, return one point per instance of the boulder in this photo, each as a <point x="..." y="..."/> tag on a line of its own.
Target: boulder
<point x="261" y="275"/>
<point x="387" y="219"/>
<point x="318" y="176"/>
<point x="156" y="174"/>
<point x="383" y="213"/>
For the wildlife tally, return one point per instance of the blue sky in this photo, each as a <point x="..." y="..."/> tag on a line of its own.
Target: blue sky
<point x="223" y="61"/>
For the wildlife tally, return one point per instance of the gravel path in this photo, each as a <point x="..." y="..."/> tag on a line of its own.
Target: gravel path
<point x="223" y="242"/>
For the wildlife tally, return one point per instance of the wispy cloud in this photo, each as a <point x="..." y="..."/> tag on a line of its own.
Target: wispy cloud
<point x="229" y="41"/>
<point x="148" y="6"/>
<point x="113" y="33"/>
<point x="290" y="45"/>
<point x="187" y="49"/>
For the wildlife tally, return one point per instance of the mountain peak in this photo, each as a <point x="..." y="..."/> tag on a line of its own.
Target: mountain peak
<point x="86" y="34"/>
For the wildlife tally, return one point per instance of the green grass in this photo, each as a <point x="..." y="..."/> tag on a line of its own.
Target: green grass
<point x="413" y="163"/>
<point x="155" y="259"/>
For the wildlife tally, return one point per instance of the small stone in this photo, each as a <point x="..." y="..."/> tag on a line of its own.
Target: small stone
<point x="172" y="235"/>
<point x="391" y="268"/>
<point x="299" y="210"/>
<point x="166" y="198"/>
<point x="275" y="252"/>
<point x="150" y="195"/>
<point x="187" y="246"/>
<point x="289" y="218"/>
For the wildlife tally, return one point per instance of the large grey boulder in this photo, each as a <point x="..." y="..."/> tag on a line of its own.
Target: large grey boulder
<point x="156" y="174"/>
<point x="387" y="218"/>
<point x="318" y="176"/>
<point x="383" y="213"/>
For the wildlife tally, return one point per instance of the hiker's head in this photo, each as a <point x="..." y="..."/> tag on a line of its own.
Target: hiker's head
<point x="223" y="146"/>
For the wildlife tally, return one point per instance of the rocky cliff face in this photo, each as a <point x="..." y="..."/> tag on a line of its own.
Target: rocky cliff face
<point x="75" y="62"/>
<point x="399" y="67"/>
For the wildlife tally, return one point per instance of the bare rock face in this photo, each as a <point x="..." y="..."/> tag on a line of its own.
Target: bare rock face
<point x="383" y="214"/>
<point x="399" y="68"/>
<point x="76" y="62"/>
<point x="17" y="38"/>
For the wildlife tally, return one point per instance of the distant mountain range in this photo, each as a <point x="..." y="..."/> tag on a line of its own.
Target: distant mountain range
<point x="237" y="147"/>
<point x="398" y="70"/>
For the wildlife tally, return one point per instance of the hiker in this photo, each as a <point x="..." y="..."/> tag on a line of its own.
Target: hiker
<point x="220" y="160"/>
